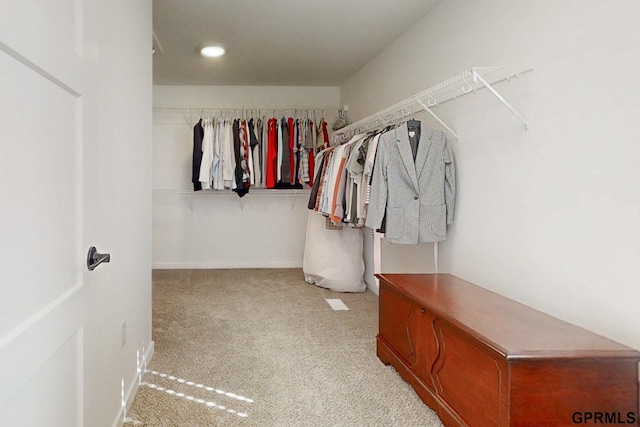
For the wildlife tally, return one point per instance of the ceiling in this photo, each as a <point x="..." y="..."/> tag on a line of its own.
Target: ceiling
<point x="275" y="42"/>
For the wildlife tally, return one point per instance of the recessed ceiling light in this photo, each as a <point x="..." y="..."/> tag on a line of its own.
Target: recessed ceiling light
<point x="212" y="51"/>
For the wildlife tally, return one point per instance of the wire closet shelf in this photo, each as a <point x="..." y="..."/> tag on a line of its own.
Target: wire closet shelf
<point x="450" y="89"/>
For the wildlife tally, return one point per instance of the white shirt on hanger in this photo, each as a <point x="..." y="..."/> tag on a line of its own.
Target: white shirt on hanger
<point x="207" y="155"/>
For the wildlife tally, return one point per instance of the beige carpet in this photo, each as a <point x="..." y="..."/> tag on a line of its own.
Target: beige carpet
<point x="261" y="347"/>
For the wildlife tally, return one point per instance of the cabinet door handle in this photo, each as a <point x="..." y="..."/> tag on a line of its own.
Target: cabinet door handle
<point x="422" y="310"/>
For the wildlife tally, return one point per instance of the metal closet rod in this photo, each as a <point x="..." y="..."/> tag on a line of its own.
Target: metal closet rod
<point x="189" y="115"/>
<point x="450" y="89"/>
<point x="246" y="109"/>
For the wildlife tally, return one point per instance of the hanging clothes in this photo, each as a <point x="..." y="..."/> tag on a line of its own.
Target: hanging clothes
<point x="264" y="145"/>
<point x="303" y="154"/>
<point x="417" y="198"/>
<point x="207" y="155"/>
<point x="198" y="135"/>
<point x="342" y="191"/>
<point x="285" y="166"/>
<point x="328" y="187"/>
<point x="312" y="140"/>
<point x="313" y="197"/>
<point x="272" y="153"/>
<point x="228" y="156"/>
<point x="216" y="171"/>
<point x="292" y="141"/>
<point x="355" y="169"/>
<point x="367" y="173"/>
<point x="259" y="152"/>
<point x="279" y="152"/>
<point x="241" y="172"/>
<point x="323" y="135"/>
<point x="400" y="181"/>
<point x="254" y="145"/>
<point x="322" y="170"/>
<point x="247" y="157"/>
<point x="296" y="151"/>
<point x="331" y="182"/>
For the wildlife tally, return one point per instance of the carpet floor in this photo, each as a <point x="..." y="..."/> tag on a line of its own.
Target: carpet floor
<point x="261" y="347"/>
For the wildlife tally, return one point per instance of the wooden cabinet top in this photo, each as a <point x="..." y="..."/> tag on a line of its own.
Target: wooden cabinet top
<point x="510" y="328"/>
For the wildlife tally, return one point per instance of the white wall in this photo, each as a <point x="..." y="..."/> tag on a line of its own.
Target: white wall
<point x="220" y="230"/>
<point x="548" y="217"/>
<point x="247" y="97"/>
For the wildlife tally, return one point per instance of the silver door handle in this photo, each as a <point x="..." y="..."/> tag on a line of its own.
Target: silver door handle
<point x="94" y="259"/>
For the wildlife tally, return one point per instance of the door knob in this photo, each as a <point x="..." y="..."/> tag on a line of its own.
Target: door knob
<point x="94" y="259"/>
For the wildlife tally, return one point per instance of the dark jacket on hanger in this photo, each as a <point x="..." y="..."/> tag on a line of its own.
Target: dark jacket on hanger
<point x="198" y="135"/>
<point x="285" y="171"/>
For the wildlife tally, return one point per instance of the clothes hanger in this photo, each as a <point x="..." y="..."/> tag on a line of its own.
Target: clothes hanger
<point x="413" y="123"/>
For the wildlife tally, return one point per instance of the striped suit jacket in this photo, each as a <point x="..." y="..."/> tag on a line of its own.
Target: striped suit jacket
<point x="418" y="198"/>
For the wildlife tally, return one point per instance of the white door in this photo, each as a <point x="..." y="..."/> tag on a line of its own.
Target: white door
<point x="58" y="188"/>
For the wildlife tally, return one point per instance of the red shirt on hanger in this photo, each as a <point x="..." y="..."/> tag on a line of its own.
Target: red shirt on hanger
<point x="272" y="154"/>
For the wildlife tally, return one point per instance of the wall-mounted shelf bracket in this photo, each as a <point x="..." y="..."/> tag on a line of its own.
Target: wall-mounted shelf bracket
<point x="478" y="77"/>
<point x="434" y="115"/>
<point x="451" y="89"/>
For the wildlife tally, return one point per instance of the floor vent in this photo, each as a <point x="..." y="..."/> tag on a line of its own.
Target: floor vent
<point x="337" y="304"/>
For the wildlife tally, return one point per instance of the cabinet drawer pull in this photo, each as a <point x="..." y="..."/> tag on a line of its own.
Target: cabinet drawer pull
<point x="422" y="310"/>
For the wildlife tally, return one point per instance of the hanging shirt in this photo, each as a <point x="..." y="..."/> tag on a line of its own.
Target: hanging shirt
<point x="313" y="196"/>
<point x="264" y="142"/>
<point x="272" y="154"/>
<point x="228" y="156"/>
<point x="245" y="154"/>
<point x="337" y="203"/>
<point x="327" y="188"/>
<point x="333" y="192"/>
<point x="207" y="155"/>
<point x="255" y="152"/>
<point x="242" y="187"/>
<point x="325" y="134"/>
<point x="292" y="142"/>
<point x="279" y="158"/>
<point x="312" y="152"/>
<point x="285" y="168"/>
<point x="355" y="167"/>
<point x="303" y="164"/>
<point x="296" y="150"/>
<point x="248" y="156"/>
<point x="216" y="169"/>
<point x="367" y="171"/>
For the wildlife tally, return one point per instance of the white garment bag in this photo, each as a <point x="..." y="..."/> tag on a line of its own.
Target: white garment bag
<point x="333" y="259"/>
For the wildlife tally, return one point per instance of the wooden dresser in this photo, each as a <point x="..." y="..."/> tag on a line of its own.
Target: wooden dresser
<point x="480" y="359"/>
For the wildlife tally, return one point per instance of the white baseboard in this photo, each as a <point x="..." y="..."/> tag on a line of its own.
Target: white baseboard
<point x="226" y="265"/>
<point x="374" y="287"/>
<point x="133" y="388"/>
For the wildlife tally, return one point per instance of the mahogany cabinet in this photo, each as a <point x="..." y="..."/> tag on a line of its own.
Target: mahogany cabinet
<point x="480" y="359"/>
